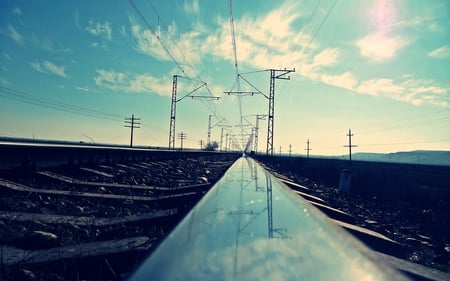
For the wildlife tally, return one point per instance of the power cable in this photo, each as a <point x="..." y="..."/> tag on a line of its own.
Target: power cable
<point x="405" y="121"/>
<point x="317" y="31"/>
<point x="24" y="97"/>
<point x="208" y="104"/>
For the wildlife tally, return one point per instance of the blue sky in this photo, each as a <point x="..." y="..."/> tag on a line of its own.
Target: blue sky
<point x="73" y="70"/>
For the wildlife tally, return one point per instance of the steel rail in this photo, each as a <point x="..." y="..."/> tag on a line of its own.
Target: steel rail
<point x="250" y="226"/>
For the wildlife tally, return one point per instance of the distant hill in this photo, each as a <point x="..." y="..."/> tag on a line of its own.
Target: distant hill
<point x="426" y="157"/>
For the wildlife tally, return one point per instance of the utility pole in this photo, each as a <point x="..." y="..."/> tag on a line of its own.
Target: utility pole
<point x="290" y="150"/>
<point x="133" y="124"/>
<point x="201" y="144"/>
<point x="230" y="140"/>
<point x="350" y="145"/>
<point x="280" y="150"/>
<point x="307" y="148"/>
<point x="182" y="137"/>
<point x="270" y="123"/>
<point x="226" y="142"/>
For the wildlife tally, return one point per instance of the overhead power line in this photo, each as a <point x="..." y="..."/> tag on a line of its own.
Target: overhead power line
<point x="24" y="97"/>
<point x="169" y="51"/>
<point x="317" y="31"/>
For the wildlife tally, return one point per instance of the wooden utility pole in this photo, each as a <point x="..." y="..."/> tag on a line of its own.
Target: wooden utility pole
<point x="307" y="148"/>
<point x="132" y="123"/>
<point x="350" y="145"/>
<point x="182" y="137"/>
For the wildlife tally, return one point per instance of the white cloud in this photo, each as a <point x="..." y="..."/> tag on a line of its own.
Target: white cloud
<point x="17" y="11"/>
<point x="326" y="57"/>
<point x="76" y="15"/>
<point x="441" y="53"/>
<point x="84" y="89"/>
<point x="380" y="46"/>
<point x="269" y="40"/>
<point x="37" y="66"/>
<point x="123" y="31"/>
<point x="345" y="80"/>
<point x="124" y="82"/>
<point x="100" y="29"/>
<point x="186" y="49"/>
<point x="3" y="81"/>
<point x="146" y="42"/>
<point x="49" y="67"/>
<point x="414" y="91"/>
<point x="55" y="69"/>
<point x="7" y="56"/>
<point x="47" y="45"/>
<point x="191" y="8"/>
<point x="15" y="35"/>
<point x="380" y="86"/>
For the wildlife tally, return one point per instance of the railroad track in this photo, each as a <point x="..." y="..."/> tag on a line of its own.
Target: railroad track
<point x="96" y="215"/>
<point x="79" y="212"/>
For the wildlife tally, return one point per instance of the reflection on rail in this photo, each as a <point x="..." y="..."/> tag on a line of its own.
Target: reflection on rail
<point x="249" y="226"/>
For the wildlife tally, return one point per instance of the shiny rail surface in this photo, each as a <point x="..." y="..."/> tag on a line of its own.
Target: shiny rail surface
<point x="250" y="226"/>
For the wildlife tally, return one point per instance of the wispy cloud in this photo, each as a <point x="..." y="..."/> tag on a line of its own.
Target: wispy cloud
<point x="191" y="8"/>
<point x="83" y="89"/>
<point x="186" y="48"/>
<point x="3" y="81"/>
<point x="414" y="91"/>
<point x="381" y="46"/>
<point x="270" y="38"/>
<point x="326" y="57"/>
<point x="261" y="42"/>
<point x="345" y="80"/>
<point x="273" y="40"/>
<point x="33" y="40"/>
<point x="7" y="56"/>
<point x="17" y="11"/>
<point x="49" y="67"/>
<point x="15" y="35"/>
<point x="37" y="66"/>
<point x="131" y="83"/>
<point x="76" y="15"/>
<point x="440" y="53"/>
<point x="100" y="29"/>
<point x="55" y="69"/>
<point x="47" y="44"/>
<point x="146" y="42"/>
<point x="380" y="86"/>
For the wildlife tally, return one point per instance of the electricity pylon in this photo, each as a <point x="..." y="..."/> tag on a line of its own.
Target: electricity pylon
<point x="270" y="122"/>
<point x="174" y="104"/>
<point x="208" y="140"/>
